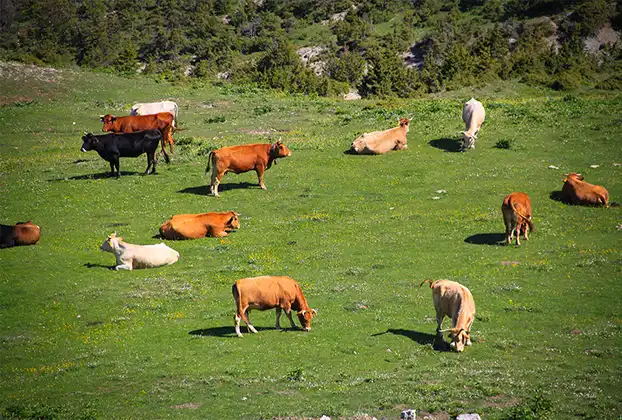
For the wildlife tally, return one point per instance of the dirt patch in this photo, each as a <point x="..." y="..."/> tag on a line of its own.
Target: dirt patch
<point x="257" y="132"/>
<point x="187" y="405"/>
<point x="21" y="72"/>
<point x="433" y="416"/>
<point x="17" y="100"/>
<point x="501" y="401"/>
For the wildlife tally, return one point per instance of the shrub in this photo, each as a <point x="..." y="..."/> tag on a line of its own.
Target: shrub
<point x="504" y="144"/>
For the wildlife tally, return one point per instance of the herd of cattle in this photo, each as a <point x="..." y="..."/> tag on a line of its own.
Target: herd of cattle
<point x="153" y="124"/>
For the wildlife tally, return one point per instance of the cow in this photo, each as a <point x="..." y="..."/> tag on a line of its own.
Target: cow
<point x="473" y="115"/>
<point x="194" y="226"/>
<point x="268" y="292"/>
<point x="162" y="121"/>
<point x="131" y="256"/>
<point x="21" y="233"/>
<point x="577" y="191"/>
<point x="379" y="142"/>
<point x="456" y="301"/>
<point x="516" y="209"/>
<point x="111" y="147"/>
<point x="156" y="107"/>
<point x="239" y="159"/>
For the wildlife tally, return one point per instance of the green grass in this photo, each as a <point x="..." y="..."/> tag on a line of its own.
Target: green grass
<point x="358" y="232"/>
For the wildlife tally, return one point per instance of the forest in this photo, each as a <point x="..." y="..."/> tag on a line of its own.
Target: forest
<point x="378" y="47"/>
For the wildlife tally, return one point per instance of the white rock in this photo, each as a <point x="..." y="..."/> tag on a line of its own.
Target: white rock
<point x="441" y="191"/>
<point x="469" y="417"/>
<point x="553" y="167"/>
<point x="436" y="198"/>
<point x="594" y="166"/>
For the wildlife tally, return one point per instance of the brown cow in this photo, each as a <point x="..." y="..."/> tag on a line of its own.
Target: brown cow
<point x="239" y="159"/>
<point x="162" y="121"/>
<point x="516" y="209"/>
<point x="379" y="142"/>
<point x="19" y="234"/>
<point x="268" y="292"/>
<point x="194" y="226"/>
<point x="577" y="191"/>
<point x="456" y="301"/>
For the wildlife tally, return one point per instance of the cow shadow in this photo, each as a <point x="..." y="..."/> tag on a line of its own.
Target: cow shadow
<point x="558" y="196"/>
<point x="230" y="331"/>
<point x="102" y="175"/>
<point x="447" y="144"/>
<point x="90" y="265"/>
<point x="204" y="189"/>
<point x="497" y="239"/>
<point x="435" y="340"/>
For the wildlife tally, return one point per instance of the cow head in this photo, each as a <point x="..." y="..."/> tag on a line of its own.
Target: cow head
<point x="573" y="176"/>
<point x="404" y="122"/>
<point x="88" y="142"/>
<point x="111" y="243"/>
<point x="459" y="338"/>
<point x="108" y="121"/>
<point x="468" y="139"/>
<point x="279" y="150"/>
<point x="305" y="317"/>
<point x="234" y="221"/>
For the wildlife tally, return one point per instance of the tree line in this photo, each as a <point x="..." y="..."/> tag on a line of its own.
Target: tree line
<point x="454" y="43"/>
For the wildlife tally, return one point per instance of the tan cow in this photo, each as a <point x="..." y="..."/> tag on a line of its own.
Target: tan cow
<point x="456" y="301"/>
<point x="268" y="292"/>
<point x="379" y="142"/>
<point x="516" y="209"/>
<point x="239" y="159"/>
<point x="577" y="191"/>
<point x="131" y="256"/>
<point x="194" y="226"/>
<point x="473" y="115"/>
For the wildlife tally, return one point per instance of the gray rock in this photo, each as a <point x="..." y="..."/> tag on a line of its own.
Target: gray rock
<point x="469" y="417"/>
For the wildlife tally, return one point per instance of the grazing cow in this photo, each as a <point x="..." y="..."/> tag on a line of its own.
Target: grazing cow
<point x="155" y="108"/>
<point x="267" y="292"/>
<point x="162" y="121"/>
<point x="473" y="115"/>
<point x="131" y="256"/>
<point x="194" y="226"/>
<point x="516" y="209"/>
<point x="19" y="234"/>
<point x="456" y="301"/>
<point x="239" y="159"/>
<point x="113" y="146"/>
<point x="379" y="142"/>
<point x="577" y="191"/>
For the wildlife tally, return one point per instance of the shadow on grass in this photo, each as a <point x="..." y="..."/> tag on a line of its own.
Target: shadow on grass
<point x="204" y="189"/>
<point x="486" y="239"/>
<point x="230" y="331"/>
<point x="424" y="339"/>
<point x="446" y="144"/>
<point x="89" y="265"/>
<point x="94" y="176"/>
<point x="558" y="196"/>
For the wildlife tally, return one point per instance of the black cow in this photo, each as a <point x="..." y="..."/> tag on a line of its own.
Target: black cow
<point x="113" y="146"/>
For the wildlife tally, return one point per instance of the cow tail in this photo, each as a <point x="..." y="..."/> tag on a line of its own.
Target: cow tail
<point x="209" y="161"/>
<point x="166" y="158"/>
<point x="235" y="292"/>
<point x="527" y="219"/>
<point x="426" y="281"/>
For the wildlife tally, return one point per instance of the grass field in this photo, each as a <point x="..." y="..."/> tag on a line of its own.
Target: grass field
<point x="359" y="233"/>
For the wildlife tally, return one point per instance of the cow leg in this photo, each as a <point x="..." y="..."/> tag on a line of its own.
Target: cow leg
<point x="439" y="322"/>
<point x="111" y="168"/>
<point x="127" y="265"/>
<point x="236" y="319"/>
<point x="114" y="163"/>
<point x="248" y="322"/>
<point x="517" y="230"/>
<point x="291" y="320"/>
<point x="278" y="318"/>
<point x="526" y="232"/>
<point x="216" y="177"/>
<point x="260" y="170"/>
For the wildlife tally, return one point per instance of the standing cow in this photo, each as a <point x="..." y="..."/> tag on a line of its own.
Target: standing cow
<point x="516" y="209"/>
<point x="239" y="159"/>
<point x="455" y="301"/>
<point x="113" y="146"/>
<point x="155" y="108"/>
<point x="19" y="234"/>
<point x="473" y="115"/>
<point x="162" y="121"/>
<point x="379" y="142"/>
<point x="577" y="191"/>
<point x="269" y="292"/>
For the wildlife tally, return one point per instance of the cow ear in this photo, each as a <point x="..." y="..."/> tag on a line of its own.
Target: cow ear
<point x="114" y="119"/>
<point x="231" y="220"/>
<point x="314" y="311"/>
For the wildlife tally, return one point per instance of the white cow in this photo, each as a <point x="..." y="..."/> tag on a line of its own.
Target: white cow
<point x="154" y="108"/>
<point x="473" y="115"/>
<point x="139" y="256"/>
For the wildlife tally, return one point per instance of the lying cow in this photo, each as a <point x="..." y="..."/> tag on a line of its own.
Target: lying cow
<point x="111" y="147"/>
<point x="162" y="121"/>
<point x="194" y="226"/>
<point x="473" y="115"/>
<point x="268" y="292"/>
<point x="516" y="209"/>
<point x="131" y="256"/>
<point x="577" y="191"/>
<point x="156" y="107"/>
<point x="19" y="234"/>
<point x="239" y="159"/>
<point x="379" y="142"/>
<point x="456" y="301"/>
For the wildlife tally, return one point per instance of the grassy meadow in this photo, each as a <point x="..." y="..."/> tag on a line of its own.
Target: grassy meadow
<point x="359" y="233"/>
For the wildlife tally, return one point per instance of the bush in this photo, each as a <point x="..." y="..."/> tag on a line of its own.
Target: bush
<point x="505" y="144"/>
<point x="566" y="81"/>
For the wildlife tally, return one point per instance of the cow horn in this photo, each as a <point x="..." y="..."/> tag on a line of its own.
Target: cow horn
<point x="303" y="312"/>
<point x="314" y="311"/>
